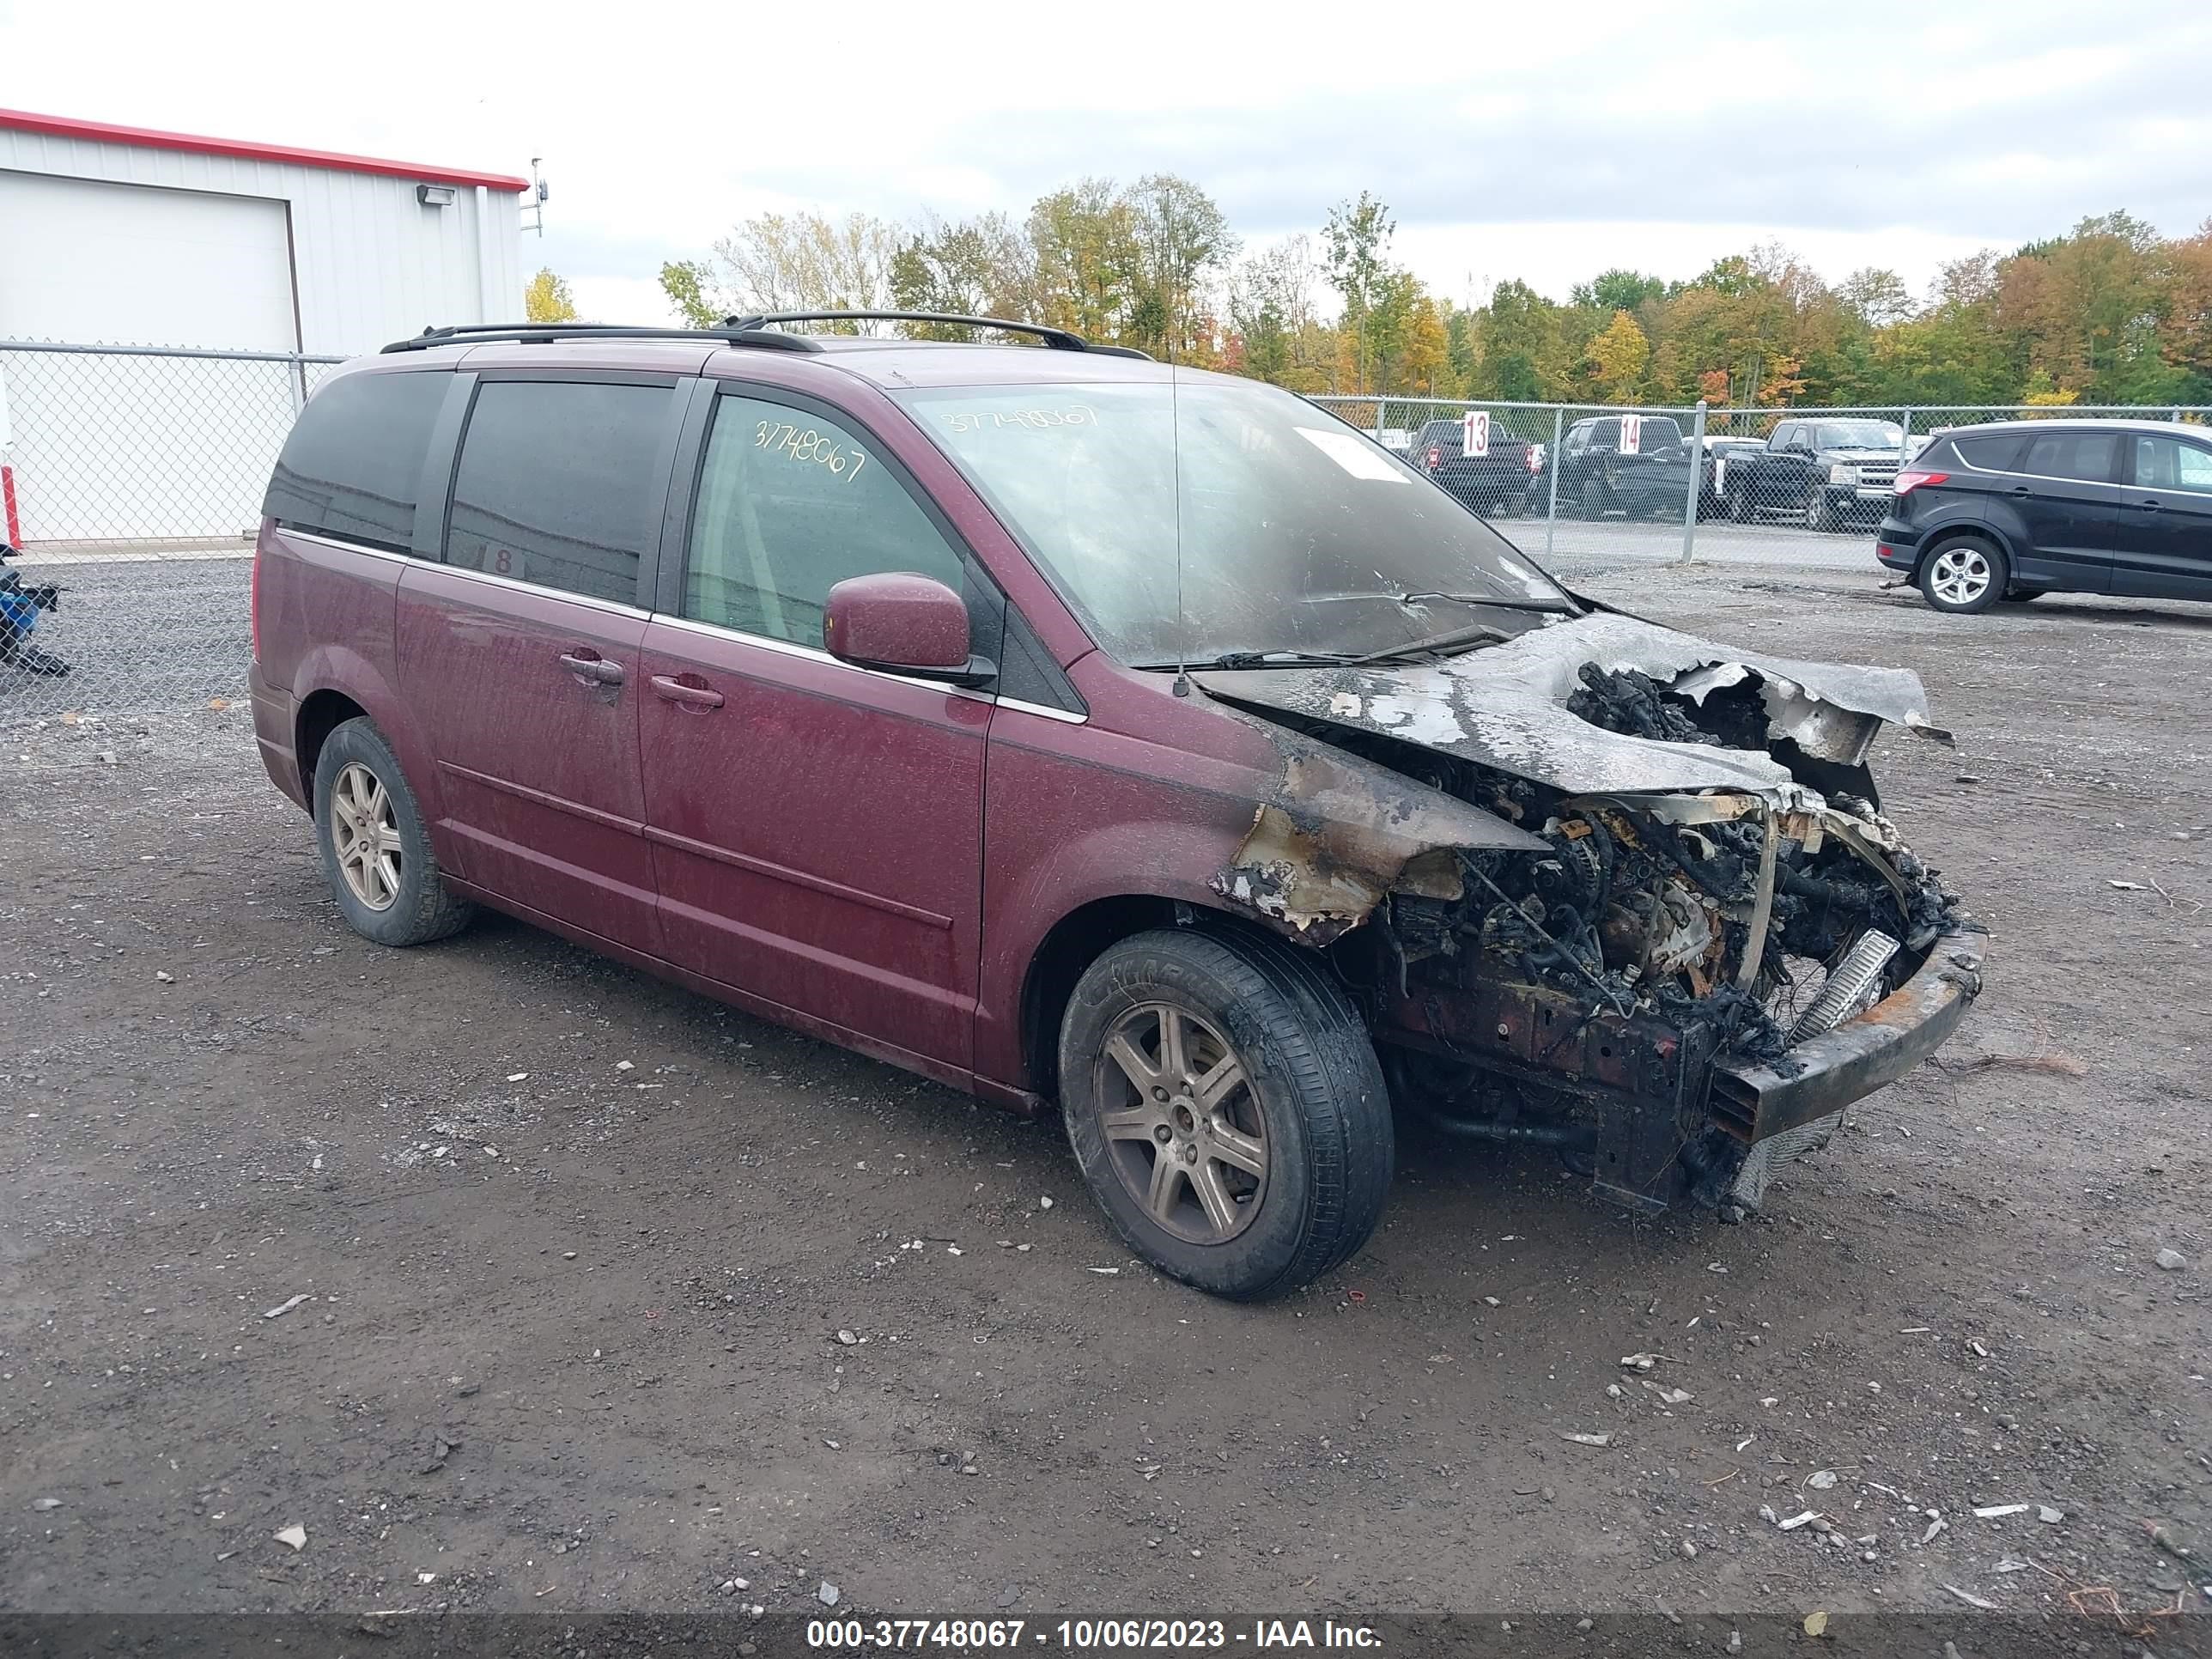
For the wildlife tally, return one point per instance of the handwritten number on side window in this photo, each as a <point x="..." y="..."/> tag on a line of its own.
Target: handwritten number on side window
<point x="806" y="444"/>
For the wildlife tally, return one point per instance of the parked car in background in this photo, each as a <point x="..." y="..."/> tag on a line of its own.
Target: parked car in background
<point x="1720" y="451"/>
<point x="1494" y="483"/>
<point x="2019" y="508"/>
<point x="1101" y="739"/>
<point x="1649" y="477"/>
<point x="1822" y="473"/>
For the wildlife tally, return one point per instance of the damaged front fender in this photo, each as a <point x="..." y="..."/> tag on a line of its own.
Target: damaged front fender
<point x="1339" y="833"/>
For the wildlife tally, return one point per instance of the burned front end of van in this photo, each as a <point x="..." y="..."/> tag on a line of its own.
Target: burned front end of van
<point x="1691" y="937"/>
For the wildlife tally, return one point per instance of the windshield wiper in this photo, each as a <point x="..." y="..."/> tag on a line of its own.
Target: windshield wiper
<point x="1502" y="601"/>
<point x="1265" y="660"/>
<point x="1546" y="607"/>
<point x="1458" y="639"/>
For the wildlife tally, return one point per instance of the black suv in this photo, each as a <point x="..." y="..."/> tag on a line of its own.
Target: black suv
<point x="2015" y="509"/>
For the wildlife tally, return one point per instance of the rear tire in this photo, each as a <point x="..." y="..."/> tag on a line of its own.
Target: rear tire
<point x="376" y="853"/>
<point x="1964" y="576"/>
<point x="1250" y="1153"/>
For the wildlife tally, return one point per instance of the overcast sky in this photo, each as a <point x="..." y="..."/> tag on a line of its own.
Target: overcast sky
<point x="1536" y="140"/>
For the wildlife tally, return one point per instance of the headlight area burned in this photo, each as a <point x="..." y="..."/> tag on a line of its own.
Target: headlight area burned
<point x="1581" y="996"/>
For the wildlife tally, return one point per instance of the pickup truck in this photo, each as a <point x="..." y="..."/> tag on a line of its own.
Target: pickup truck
<point x="1821" y="473"/>
<point x="1490" y="484"/>
<point x="1650" y="477"/>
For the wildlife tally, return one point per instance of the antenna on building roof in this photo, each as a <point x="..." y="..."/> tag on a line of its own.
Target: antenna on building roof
<point x="533" y="215"/>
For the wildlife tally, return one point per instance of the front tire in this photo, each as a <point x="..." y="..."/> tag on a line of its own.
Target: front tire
<point x="1964" y="576"/>
<point x="1226" y="1108"/>
<point x="376" y="853"/>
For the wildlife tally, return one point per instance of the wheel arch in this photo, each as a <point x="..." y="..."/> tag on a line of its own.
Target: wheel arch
<point x="1079" y="939"/>
<point x="321" y="714"/>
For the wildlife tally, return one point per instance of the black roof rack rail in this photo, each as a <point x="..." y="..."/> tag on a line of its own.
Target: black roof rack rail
<point x="549" y="333"/>
<point x="1058" y="339"/>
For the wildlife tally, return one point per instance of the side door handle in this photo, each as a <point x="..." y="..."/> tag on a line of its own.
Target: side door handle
<point x="588" y="666"/>
<point x="2021" y="489"/>
<point x="688" y="690"/>
<point x="2152" y="507"/>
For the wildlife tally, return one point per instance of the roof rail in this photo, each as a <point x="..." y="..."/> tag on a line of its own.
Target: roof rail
<point x="549" y="333"/>
<point x="1058" y="339"/>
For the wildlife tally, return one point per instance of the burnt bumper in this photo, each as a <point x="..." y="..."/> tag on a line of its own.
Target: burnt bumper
<point x="1824" y="1074"/>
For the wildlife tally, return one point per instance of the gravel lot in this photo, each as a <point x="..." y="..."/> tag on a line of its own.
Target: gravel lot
<point x="613" y="1297"/>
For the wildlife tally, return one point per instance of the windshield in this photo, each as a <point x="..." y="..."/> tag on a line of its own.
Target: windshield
<point x="1296" y="531"/>
<point x="1859" y="435"/>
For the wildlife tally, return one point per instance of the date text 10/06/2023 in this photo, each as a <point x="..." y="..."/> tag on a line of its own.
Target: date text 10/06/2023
<point x="1088" y="1635"/>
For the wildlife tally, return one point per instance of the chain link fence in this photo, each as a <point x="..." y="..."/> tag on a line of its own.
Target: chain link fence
<point x="132" y="479"/>
<point x="1803" y="487"/>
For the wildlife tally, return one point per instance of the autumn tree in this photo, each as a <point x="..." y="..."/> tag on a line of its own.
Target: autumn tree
<point x="546" y="299"/>
<point x="1357" y="242"/>
<point x="1181" y="242"/>
<point x="789" y="262"/>
<point x="1615" y="361"/>
<point x="1271" y="307"/>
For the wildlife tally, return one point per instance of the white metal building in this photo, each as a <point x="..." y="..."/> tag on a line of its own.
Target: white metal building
<point x="121" y="236"/>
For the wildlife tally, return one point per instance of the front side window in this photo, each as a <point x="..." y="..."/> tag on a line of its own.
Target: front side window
<point x="2088" y="457"/>
<point x="1195" y="518"/>
<point x="791" y="503"/>
<point x="353" y="462"/>
<point x="557" y="484"/>
<point x="2169" y="464"/>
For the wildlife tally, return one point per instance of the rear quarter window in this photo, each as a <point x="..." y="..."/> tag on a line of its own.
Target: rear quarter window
<point x="353" y="460"/>
<point x="1993" y="452"/>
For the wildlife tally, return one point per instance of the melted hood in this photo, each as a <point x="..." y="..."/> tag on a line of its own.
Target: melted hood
<point x="1505" y="706"/>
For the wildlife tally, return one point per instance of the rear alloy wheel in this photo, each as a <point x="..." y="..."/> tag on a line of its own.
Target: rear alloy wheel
<point x="1227" y="1108"/>
<point x="1963" y="577"/>
<point x="376" y="853"/>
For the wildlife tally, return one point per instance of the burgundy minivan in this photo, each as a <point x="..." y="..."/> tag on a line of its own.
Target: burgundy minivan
<point x="1093" y="735"/>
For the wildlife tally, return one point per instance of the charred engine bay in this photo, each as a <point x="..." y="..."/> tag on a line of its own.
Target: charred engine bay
<point x="1659" y="931"/>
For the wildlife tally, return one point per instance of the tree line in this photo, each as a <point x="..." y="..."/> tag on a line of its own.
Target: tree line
<point x="2111" y="312"/>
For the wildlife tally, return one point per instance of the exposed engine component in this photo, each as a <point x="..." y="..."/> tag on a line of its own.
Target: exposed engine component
<point x="1850" y="988"/>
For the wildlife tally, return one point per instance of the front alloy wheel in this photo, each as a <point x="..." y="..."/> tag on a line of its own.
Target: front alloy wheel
<point x="1181" y="1125"/>
<point x="1227" y="1108"/>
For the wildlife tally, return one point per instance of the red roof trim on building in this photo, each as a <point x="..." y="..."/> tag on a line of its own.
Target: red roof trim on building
<point x="64" y="126"/>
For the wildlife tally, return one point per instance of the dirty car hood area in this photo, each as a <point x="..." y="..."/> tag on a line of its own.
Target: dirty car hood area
<point x="1676" y="878"/>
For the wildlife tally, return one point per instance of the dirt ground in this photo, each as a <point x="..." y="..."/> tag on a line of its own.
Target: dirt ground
<point x="614" y="1297"/>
